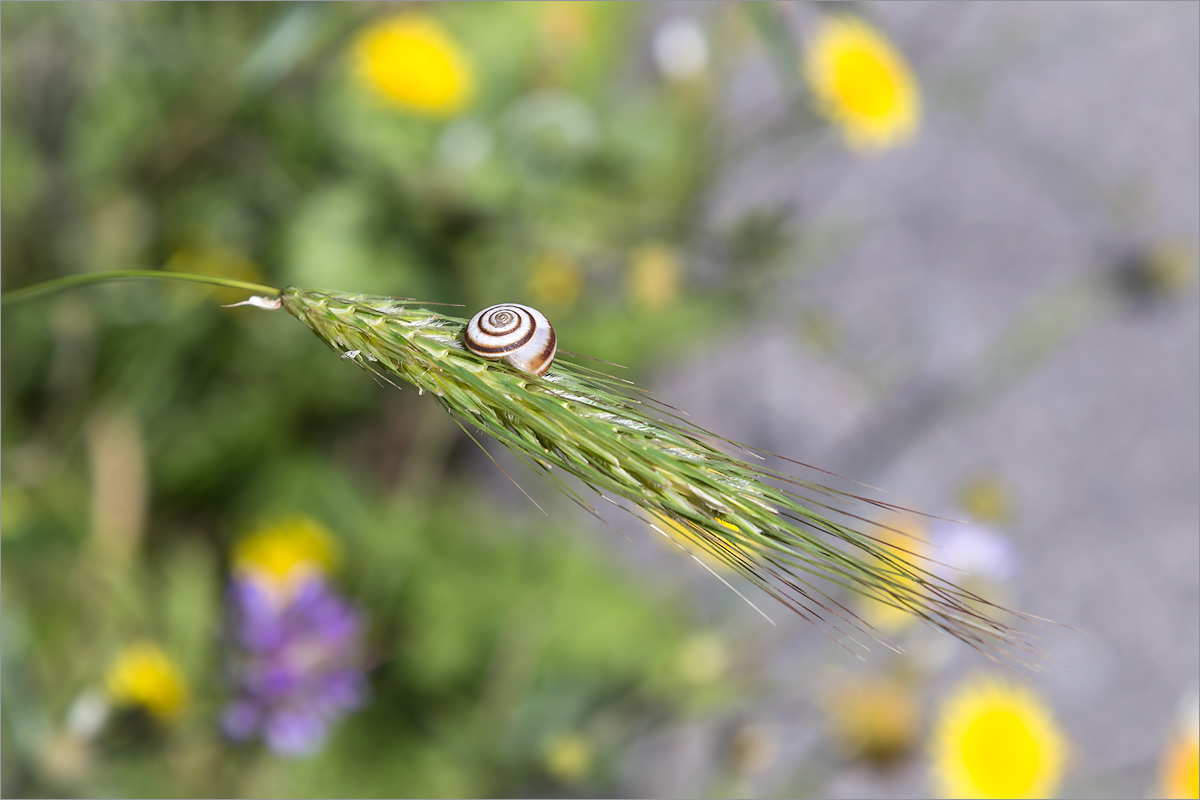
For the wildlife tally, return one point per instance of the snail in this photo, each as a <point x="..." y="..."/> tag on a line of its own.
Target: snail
<point x="520" y="335"/>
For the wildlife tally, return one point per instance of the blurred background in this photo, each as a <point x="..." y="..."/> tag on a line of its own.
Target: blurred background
<point x="949" y="250"/>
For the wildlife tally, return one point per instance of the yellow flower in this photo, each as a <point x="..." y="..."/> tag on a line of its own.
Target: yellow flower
<point x="142" y="675"/>
<point x="752" y="749"/>
<point x="1180" y="776"/>
<point x="904" y="538"/>
<point x="568" y="757"/>
<point x="874" y="718"/>
<point x="995" y="739"/>
<point x="287" y="550"/>
<point x="220" y="261"/>
<point x="555" y="281"/>
<point x="655" y="275"/>
<point x="987" y="498"/>
<point x="563" y="26"/>
<point x="862" y="84"/>
<point x="702" y="544"/>
<point x="411" y="61"/>
<point x="702" y="660"/>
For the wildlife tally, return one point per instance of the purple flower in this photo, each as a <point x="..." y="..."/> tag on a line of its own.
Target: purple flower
<point x="296" y="659"/>
<point x="975" y="550"/>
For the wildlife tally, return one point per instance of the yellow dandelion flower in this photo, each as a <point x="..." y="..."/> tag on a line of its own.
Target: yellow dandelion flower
<point x="143" y="676"/>
<point x="409" y="60"/>
<point x="283" y="551"/>
<point x="862" y="84"/>
<point x="1180" y="775"/>
<point x="996" y="739"/>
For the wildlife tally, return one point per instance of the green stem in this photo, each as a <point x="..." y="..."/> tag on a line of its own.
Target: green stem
<point x="69" y="281"/>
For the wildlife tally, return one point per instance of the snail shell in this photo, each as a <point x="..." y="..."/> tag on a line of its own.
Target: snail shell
<point x="520" y="335"/>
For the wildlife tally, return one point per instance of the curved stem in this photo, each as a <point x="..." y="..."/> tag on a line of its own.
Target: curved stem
<point x="69" y="281"/>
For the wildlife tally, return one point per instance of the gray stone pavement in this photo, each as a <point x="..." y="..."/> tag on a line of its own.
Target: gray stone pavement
<point x="1056" y="137"/>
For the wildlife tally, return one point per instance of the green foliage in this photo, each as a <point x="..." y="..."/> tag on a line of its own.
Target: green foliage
<point x="237" y="141"/>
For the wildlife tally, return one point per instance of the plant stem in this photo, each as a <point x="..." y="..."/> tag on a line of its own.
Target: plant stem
<point x="69" y="281"/>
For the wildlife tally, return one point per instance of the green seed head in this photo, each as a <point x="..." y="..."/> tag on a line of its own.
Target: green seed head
<point x="788" y="536"/>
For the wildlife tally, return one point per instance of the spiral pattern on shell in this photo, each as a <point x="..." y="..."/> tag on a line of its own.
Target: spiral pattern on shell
<point x="520" y="335"/>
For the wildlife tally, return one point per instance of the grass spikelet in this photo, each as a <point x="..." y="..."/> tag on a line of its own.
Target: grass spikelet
<point x="790" y="537"/>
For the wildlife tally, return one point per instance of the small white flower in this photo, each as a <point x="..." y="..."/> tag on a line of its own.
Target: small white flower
<point x="87" y="714"/>
<point x="465" y="145"/>
<point x="681" y="49"/>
